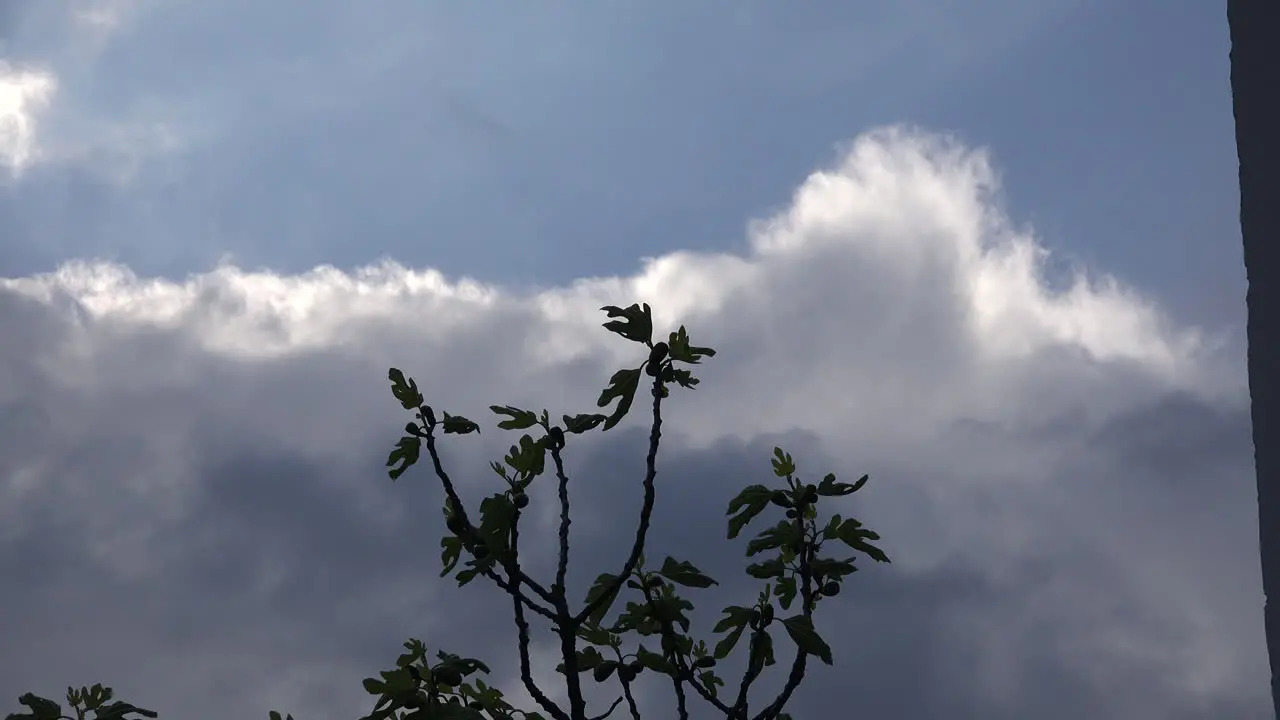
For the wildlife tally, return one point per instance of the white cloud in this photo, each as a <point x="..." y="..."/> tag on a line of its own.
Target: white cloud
<point x="24" y="94"/>
<point x="893" y="312"/>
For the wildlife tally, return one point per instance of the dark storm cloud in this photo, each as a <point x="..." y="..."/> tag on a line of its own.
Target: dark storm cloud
<point x="195" y="504"/>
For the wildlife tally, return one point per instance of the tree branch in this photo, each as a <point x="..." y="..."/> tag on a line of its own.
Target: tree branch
<point x="808" y="602"/>
<point x="646" y="511"/>
<point x="562" y="569"/>
<point x="519" y="577"/>
<point x="522" y="625"/>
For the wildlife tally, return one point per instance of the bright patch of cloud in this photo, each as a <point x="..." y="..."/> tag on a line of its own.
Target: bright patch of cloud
<point x="893" y="317"/>
<point x="24" y="93"/>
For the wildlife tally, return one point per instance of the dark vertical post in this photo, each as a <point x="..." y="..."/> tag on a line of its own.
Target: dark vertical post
<point x="1255" y="91"/>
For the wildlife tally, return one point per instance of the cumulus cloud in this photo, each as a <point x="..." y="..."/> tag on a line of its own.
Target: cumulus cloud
<point x="195" y="509"/>
<point x="24" y="93"/>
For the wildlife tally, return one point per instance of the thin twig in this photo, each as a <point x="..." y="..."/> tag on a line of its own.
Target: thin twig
<point x="631" y="701"/>
<point x="608" y="712"/>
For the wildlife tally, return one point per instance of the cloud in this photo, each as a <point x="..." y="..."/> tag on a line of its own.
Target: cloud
<point x="192" y="469"/>
<point x="24" y="93"/>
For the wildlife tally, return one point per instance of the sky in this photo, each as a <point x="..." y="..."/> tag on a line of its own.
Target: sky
<point x="988" y="255"/>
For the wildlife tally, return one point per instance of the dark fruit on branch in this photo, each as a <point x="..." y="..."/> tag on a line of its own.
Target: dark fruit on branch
<point x="520" y="500"/>
<point x="658" y="353"/>
<point x="635" y="666"/>
<point x="792" y="513"/>
<point x="811" y="493"/>
<point x="626" y="674"/>
<point x="556" y="436"/>
<point x="831" y="589"/>
<point x="448" y="676"/>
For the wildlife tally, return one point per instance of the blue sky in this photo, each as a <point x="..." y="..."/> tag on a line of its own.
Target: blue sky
<point x="537" y="146"/>
<point x="988" y="252"/>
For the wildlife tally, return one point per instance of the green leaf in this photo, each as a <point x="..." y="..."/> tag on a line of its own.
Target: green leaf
<point x="273" y="715"/>
<point x="654" y="661"/>
<point x="767" y="569"/>
<point x="684" y="573"/>
<point x="398" y="681"/>
<point x="595" y="635"/>
<point x="41" y="708"/>
<point x="762" y="654"/>
<point x="727" y="643"/>
<point x="735" y="616"/>
<point x="588" y="659"/>
<point x="682" y="351"/>
<point x="465" y="576"/>
<point x="458" y="425"/>
<point x="800" y="628"/>
<point x="520" y="419"/>
<point x="784" y="533"/>
<point x="118" y="710"/>
<point x="579" y="424"/>
<point x="870" y="550"/>
<point x="831" y="568"/>
<point x="710" y="681"/>
<point x="636" y="326"/>
<point x="405" y="391"/>
<point x="830" y="488"/>
<point x="622" y="386"/>
<point x="680" y="376"/>
<point x="452" y="550"/>
<point x="598" y="589"/>
<point x="852" y="534"/>
<point x="751" y="501"/>
<point x="783" y="465"/>
<point x="832" y="530"/>
<point x="787" y="591"/>
<point x="497" y="515"/>
<point x="406" y="452"/>
<point x="97" y="695"/>
<point x="529" y="457"/>
<point x="374" y="686"/>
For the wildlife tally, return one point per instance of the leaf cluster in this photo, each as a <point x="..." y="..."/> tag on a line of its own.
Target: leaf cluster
<point x="652" y="631"/>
